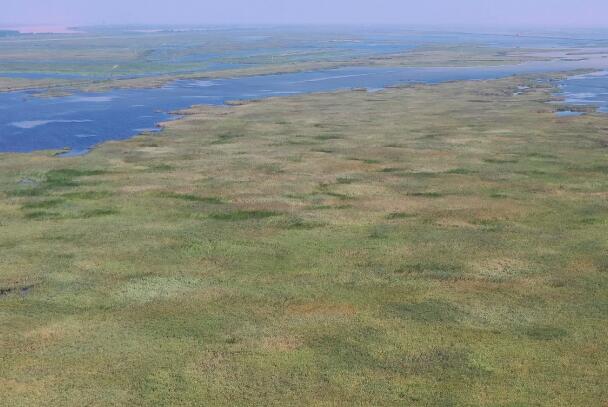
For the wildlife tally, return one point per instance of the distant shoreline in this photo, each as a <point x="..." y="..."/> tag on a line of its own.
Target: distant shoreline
<point x="41" y="29"/>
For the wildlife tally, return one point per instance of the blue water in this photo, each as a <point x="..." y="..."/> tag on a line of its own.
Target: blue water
<point x="590" y="89"/>
<point x="568" y="113"/>
<point x="81" y="121"/>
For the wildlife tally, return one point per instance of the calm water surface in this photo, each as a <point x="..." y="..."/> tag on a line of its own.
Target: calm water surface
<point x="81" y="121"/>
<point x="590" y="89"/>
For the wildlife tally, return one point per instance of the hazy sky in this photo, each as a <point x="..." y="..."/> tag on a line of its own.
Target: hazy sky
<point x="453" y="12"/>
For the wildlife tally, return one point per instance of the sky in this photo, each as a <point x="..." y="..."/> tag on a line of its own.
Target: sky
<point x="544" y="13"/>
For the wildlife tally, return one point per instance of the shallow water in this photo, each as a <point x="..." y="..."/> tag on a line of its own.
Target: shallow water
<point x="568" y="113"/>
<point x="590" y="89"/>
<point x="78" y="122"/>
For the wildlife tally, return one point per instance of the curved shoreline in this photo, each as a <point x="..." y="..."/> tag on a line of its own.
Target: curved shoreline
<point x="382" y="77"/>
<point x="178" y="114"/>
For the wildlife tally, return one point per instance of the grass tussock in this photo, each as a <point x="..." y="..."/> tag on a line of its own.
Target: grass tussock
<point x="234" y="216"/>
<point x="192" y="198"/>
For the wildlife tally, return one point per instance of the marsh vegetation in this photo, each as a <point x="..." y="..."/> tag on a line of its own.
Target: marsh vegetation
<point x="427" y="245"/>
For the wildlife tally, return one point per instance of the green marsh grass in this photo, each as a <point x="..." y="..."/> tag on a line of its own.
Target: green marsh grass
<point x="464" y="268"/>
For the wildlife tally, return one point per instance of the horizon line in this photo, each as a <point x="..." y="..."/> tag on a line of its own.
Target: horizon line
<point x="405" y="25"/>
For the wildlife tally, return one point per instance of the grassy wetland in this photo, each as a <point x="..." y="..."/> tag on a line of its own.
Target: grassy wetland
<point x="99" y="59"/>
<point x="426" y="245"/>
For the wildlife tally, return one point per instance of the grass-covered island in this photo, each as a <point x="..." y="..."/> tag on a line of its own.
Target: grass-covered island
<point x="420" y="246"/>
